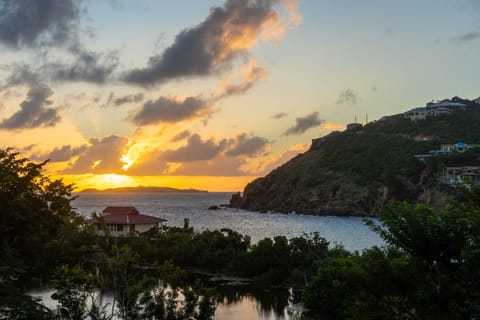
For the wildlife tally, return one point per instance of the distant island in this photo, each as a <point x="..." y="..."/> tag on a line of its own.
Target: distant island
<point x="141" y="189"/>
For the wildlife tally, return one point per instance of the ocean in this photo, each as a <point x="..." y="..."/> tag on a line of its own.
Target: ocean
<point x="239" y="302"/>
<point x="351" y="232"/>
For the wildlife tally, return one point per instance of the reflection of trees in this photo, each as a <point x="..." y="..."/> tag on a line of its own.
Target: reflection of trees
<point x="268" y="301"/>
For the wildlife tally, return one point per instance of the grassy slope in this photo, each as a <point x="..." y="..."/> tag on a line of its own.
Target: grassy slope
<point x="363" y="170"/>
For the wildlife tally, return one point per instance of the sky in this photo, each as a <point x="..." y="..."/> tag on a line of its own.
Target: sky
<point x="213" y="94"/>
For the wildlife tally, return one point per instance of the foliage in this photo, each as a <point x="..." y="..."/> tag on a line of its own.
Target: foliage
<point x="429" y="271"/>
<point x="14" y="304"/>
<point x="38" y="228"/>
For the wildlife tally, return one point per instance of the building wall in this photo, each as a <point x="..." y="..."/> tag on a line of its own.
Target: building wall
<point x="117" y="230"/>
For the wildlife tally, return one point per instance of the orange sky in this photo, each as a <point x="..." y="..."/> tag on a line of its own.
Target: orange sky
<point x="212" y="94"/>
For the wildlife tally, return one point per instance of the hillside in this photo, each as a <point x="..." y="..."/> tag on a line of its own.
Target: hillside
<point x="358" y="171"/>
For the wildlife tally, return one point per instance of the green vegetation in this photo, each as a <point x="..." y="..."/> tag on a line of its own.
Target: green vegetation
<point x="429" y="270"/>
<point x="358" y="172"/>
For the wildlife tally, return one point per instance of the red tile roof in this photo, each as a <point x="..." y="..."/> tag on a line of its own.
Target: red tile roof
<point x="125" y="215"/>
<point x="120" y="210"/>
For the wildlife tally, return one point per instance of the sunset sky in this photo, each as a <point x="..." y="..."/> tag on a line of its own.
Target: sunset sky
<point x="212" y="94"/>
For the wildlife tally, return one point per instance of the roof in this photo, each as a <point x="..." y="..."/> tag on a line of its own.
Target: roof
<point x="120" y="210"/>
<point x="127" y="219"/>
<point x="125" y="215"/>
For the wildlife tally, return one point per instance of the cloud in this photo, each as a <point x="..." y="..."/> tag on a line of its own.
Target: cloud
<point x="169" y="110"/>
<point x="283" y="158"/>
<point x="100" y="156"/>
<point x="180" y="136"/>
<point x="229" y="32"/>
<point x="220" y="166"/>
<point x="249" y="76"/>
<point x="30" y="23"/>
<point x="305" y="123"/>
<point x="88" y="66"/>
<point x="131" y="98"/>
<point x="279" y="115"/>
<point x="195" y="150"/>
<point x="21" y="74"/>
<point x="244" y="145"/>
<point x="347" y="96"/>
<point x="34" y="111"/>
<point x="60" y="154"/>
<point x="467" y="37"/>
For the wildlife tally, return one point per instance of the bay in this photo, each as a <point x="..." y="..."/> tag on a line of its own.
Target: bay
<point x="351" y="232"/>
<point x="238" y="302"/>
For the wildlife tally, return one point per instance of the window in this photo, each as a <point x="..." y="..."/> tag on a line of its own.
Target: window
<point x="115" y="227"/>
<point x="132" y="228"/>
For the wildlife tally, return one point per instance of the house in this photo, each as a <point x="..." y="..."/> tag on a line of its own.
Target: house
<point x="121" y="221"/>
<point x="416" y="114"/>
<point x="453" y="175"/>
<point x="434" y="109"/>
<point x="459" y="147"/>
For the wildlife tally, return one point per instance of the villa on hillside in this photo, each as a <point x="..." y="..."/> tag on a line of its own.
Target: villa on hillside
<point x="453" y="175"/>
<point x="433" y="109"/>
<point x="121" y="221"/>
<point x="446" y="149"/>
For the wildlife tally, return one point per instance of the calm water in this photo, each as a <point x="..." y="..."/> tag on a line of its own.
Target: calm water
<point x="347" y="231"/>
<point x="238" y="302"/>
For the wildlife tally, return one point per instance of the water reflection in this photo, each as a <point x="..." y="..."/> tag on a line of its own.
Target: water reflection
<point x="247" y="302"/>
<point x="236" y="302"/>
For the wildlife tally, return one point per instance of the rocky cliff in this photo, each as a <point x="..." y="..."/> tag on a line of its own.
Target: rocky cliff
<point x="359" y="170"/>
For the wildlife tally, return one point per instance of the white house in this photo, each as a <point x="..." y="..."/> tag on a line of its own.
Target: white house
<point x="459" y="147"/>
<point x="433" y="109"/>
<point x="121" y="221"/>
<point x="416" y="114"/>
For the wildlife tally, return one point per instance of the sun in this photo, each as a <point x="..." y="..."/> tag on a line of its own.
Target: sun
<point x="113" y="181"/>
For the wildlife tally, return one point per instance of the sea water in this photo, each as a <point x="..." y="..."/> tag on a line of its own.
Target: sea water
<point x="238" y="302"/>
<point x="350" y="232"/>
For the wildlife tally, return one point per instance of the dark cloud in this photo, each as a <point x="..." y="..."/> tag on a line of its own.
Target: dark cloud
<point x="63" y="153"/>
<point x="347" y="96"/>
<point x="131" y="98"/>
<point x="279" y="115"/>
<point x="88" y="66"/>
<point x="227" y="33"/>
<point x="34" y="111"/>
<point x="21" y="74"/>
<point x="305" y="123"/>
<point x="100" y="156"/>
<point x="29" y="23"/>
<point x="195" y="150"/>
<point x="244" y="145"/>
<point x="168" y="110"/>
<point x="467" y="37"/>
<point x="180" y="136"/>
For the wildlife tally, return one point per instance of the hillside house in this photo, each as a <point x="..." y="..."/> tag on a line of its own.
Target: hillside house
<point x="121" y="221"/>
<point x="453" y="175"/>
<point x="433" y="109"/>
<point x="459" y="147"/>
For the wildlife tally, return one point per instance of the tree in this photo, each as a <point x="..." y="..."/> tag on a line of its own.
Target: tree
<point x="37" y="223"/>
